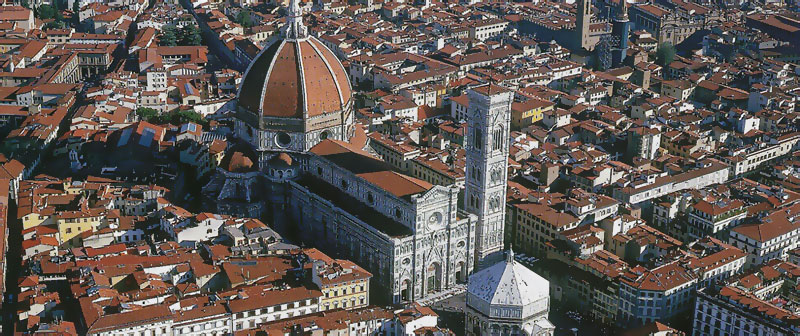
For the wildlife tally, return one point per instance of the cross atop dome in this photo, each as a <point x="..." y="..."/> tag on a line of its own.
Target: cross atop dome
<point x="295" y="29"/>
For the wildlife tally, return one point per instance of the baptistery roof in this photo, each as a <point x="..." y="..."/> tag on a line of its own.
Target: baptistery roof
<point x="508" y="283"/>
<point x="295" y="77"/>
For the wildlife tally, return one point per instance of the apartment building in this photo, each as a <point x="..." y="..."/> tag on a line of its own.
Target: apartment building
<point x="707" y="173"/>
<point x="733" y="311"/>
<point x="771" y="237"/>
<point x="746" y="160"/>
<point x="655" y="295"/>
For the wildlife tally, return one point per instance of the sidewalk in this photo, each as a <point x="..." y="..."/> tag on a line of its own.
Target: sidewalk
<point x="453" y="291"/>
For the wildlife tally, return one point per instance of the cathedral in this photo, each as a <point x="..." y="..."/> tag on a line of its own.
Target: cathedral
<point x="303" y="166"/>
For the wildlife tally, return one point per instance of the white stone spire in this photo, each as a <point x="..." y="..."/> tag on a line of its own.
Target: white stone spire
<point x="295" y="29"/>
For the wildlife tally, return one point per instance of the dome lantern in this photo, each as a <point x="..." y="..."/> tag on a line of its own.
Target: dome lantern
<point x="295" y="29"/>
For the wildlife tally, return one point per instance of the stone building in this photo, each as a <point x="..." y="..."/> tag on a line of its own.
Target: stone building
<point x="508" y="299"/>
<point x="408" y="233"/>
<point x="675" y="24"/>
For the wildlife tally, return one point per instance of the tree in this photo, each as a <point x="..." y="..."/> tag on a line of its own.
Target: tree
<point x="244" y="19"/>
<point x="168" y="36"/>
<point x="184" y="116"/>
<point x="76" y="11"/>
<point x="25" y="3"/>
<point x="190" y="35"/>
<point x="175" y="117"/>
<point x="146" y="113"/>
<point x="665" y="54"/>
<point x="55" y="24"/>
<point x="46" y="12"/>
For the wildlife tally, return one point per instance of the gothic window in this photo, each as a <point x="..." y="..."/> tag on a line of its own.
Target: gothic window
<point x="477" y="139"/>
<point x="494" y="203"/>
<point x="497" y="141"/>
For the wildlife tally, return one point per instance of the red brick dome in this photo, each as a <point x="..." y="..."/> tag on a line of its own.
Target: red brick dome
<point x="293" y="78"/>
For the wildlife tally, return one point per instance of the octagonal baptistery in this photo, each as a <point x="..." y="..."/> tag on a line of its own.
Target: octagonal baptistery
<point x="294" y="94"/>
<point x="507" y="298"/>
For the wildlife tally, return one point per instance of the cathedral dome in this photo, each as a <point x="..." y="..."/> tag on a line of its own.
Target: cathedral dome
<point x="508" y="284"/>
<point x="293" y="79"/>
<point x="296" y="92"/>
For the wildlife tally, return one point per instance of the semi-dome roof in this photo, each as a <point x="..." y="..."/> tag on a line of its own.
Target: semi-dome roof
<point x="508" y="283"/>
<point x="281" y="160"/>
<point x="294" y="76"/>
<point x="239" y="159"/>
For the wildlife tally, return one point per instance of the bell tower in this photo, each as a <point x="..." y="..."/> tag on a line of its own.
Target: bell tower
<point x="621" y="28"/>
<point x="486" y="146"/>
<point x="583" y="22"/>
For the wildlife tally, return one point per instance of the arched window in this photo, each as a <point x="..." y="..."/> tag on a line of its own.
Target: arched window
<point x="497" y="139"/>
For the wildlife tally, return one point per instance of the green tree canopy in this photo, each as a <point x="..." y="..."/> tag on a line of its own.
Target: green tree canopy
<point x="244" y="19"/>
<point x="184" y="116"/>
<point x="168" y="36"/>
<point x="665" y="54"/>
<point x="46" y="12"/>
<point x="55" y="24"/>
<point x="175" y="117"/>
<point x="190" y="35"/>
<point x="146" y="113"/>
